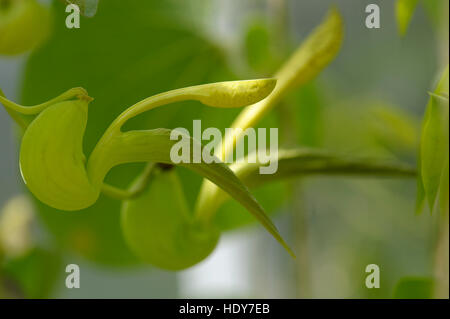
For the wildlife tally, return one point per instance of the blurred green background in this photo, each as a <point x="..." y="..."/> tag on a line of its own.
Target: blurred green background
<point x="368" y="102"/>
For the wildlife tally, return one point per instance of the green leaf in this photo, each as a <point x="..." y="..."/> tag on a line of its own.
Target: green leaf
<point x="257" y="48"/>
<point x="404" y="11"/>
<point x="88" y="8"/>
<point x="36" y="272"/>
<point x="436" y="11"/>
<point x="434" y="141"/>
<point x="414" y="288"/>
<point x="118" y="71"/>
<point x="304" y="109"/>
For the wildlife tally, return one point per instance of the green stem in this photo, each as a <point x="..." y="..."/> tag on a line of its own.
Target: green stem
<point x="32" y="110"/>
<point x="145" y="178"/>
<point x="17" y="112"/>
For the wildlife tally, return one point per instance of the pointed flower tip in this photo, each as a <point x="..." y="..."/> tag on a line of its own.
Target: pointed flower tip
<point x="86" y="98"/>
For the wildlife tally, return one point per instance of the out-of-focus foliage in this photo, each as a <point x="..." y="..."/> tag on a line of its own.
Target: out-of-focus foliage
<point x="404" y="10"/>
<point x="24" y="26"/>
<point x="258" y="48"/>
<point x="393" y="128"/>
<point x="35" y="273"/>
<point x="26" y="269"/>
<point x="434" y="148"/>
<point x="378" y="129"/>
<point x="414" y="288"/>
<point x="16" y="219"/>
<point x="304" y="114"/>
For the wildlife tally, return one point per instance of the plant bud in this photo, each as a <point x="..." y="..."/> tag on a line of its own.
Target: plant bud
<point x="234" y="93"/>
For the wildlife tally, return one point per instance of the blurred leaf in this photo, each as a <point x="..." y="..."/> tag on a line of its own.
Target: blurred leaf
<point x="88" y="8"/>
<point x="414" y="288"/>
<point x="404" y="10"/>
<point x="118" y="70"/>
<point x="316" y="52"/>
<point x="395" y="129"/>
<point x="307" y="105"/>
<point x="36" y="272"/>
<point x="436" y="10"/>
<point x="257" y="48"/>
<point x="434" y="141"/>
<point x="368" y="128"/>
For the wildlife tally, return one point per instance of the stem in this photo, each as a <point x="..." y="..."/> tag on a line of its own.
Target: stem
<point x="32" y="110"/>
<point x="144" y="180"/>
<point x="17" y="111"/>
<point x="18" y="118"/>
